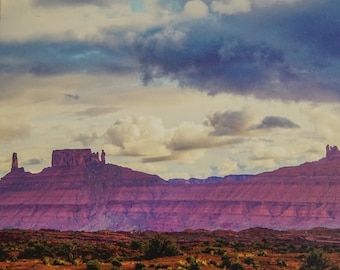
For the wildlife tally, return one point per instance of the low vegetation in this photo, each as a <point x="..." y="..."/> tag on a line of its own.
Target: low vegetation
<point x="191" y="250"/>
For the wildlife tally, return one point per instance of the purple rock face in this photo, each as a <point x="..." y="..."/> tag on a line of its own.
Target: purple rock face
<point x="81" y="193"/>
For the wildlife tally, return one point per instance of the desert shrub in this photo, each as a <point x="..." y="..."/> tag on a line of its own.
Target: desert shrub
<point x="236" y="266"/>
<point x="122" y="244"/>
<point x="160" y="246"/>
<point x="281" y="263"/>
<point x="67" y="251"/>
<point x="239" y="246"/>
<point x="35" y="250"/>
<point x="93" y="265"/>
<point x="3" y="253"/>
<point x="136" y="245"/>
<point x="221" y="243"/>
<point x="193" y="263"/>
<point x="262" y="253"/>
<point x="212" y="263"/>
<point x="226" y="261"/>
<point x="209" y="250"/>
<point x="249" y="260"/>
<point x="116" y="262"/>
<point x="140" y="266"/>
<point x="14" y="258"/>
<point x="58" y="262"/>
<point x="315" y="261"/>
<point x="161" y="265"/>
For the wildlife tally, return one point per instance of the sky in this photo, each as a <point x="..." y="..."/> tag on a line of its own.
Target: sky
<point x="175" y="88"/>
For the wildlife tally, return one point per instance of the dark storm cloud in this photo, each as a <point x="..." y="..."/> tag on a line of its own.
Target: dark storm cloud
<point x="280" y="51"/>
<point x="276" y="122"/>
<point x="202" y="55"/>
<point x="275" y="52"/>
<point x="54" y="3"/>
<point x="229" y="122"/>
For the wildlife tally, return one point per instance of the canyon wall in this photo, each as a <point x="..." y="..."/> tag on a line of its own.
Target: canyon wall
<point x="91" y="196"/>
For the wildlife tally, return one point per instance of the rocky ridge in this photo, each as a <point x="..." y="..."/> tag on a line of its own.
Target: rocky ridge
<point x="81" y="192"/>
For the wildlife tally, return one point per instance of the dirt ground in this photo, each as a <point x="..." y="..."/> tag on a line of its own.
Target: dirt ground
<point x="269" y="249"/>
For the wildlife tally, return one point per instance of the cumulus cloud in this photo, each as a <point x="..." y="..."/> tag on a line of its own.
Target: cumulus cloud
<point x="139" y="136"/>
<point x="276" y="122"/>
<point x="231" y="6"/>
<point x="262" y="151"/>
<point x="189" y="136"/>
<point x="195" y="9"/>
<point x="229" y="122"/>
<point x="146" y="136"/>
<point x="86" y="140"/>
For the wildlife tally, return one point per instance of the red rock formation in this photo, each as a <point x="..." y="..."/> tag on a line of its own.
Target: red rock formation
<point x="75" y="194"/>
<point x="14" y="161"/>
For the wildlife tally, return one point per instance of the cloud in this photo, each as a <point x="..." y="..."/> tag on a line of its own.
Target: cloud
<point x="229" y="122"/>
<point x="13" y="129"/>
<point x="52" y="3"/>
<point x="218" y="63"/>
<point x="85" y="139"/>
<point x="33" y="161"/>
<point x="282" y="59"/>
<point x="276" y="122"/>
<point x="96" y="111"/>
<point x="55" y="58"/>
<point x="71" y="97"/>
<point x="147" y="137"/>
<point x="189" y="136"/>
<point x="138" y="136"/>
<point x="231" y="6"/>
<point x="195" y="9"/>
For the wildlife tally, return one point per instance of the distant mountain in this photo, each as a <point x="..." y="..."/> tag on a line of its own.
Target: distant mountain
<point x="81" y="192"/>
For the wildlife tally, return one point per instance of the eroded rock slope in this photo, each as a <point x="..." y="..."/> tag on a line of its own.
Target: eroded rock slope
<point x="80" y="192"/>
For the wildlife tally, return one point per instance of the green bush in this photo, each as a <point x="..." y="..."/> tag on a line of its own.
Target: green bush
<point x="140" y="266"/>
<point x="194" y="263"/>
<point x="93" y="265"/>
<point x="281" y="262"/>
<point x="3" y="253"/>
<point x="249" y="260"/>
<point x="315" y="261"/>
<point x="160" y="246"/>
<point x="236" y="266"/>
<point x="116" y="262"/>
<point x="226" y="261"/>
<point x="136" y="245"/>
<point x="58" y="262"/>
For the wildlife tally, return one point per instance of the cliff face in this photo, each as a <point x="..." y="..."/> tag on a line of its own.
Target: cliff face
<point x="95" y="196"/>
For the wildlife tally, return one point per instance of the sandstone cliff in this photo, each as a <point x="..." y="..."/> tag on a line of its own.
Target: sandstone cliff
<point x="82" y="193"/>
